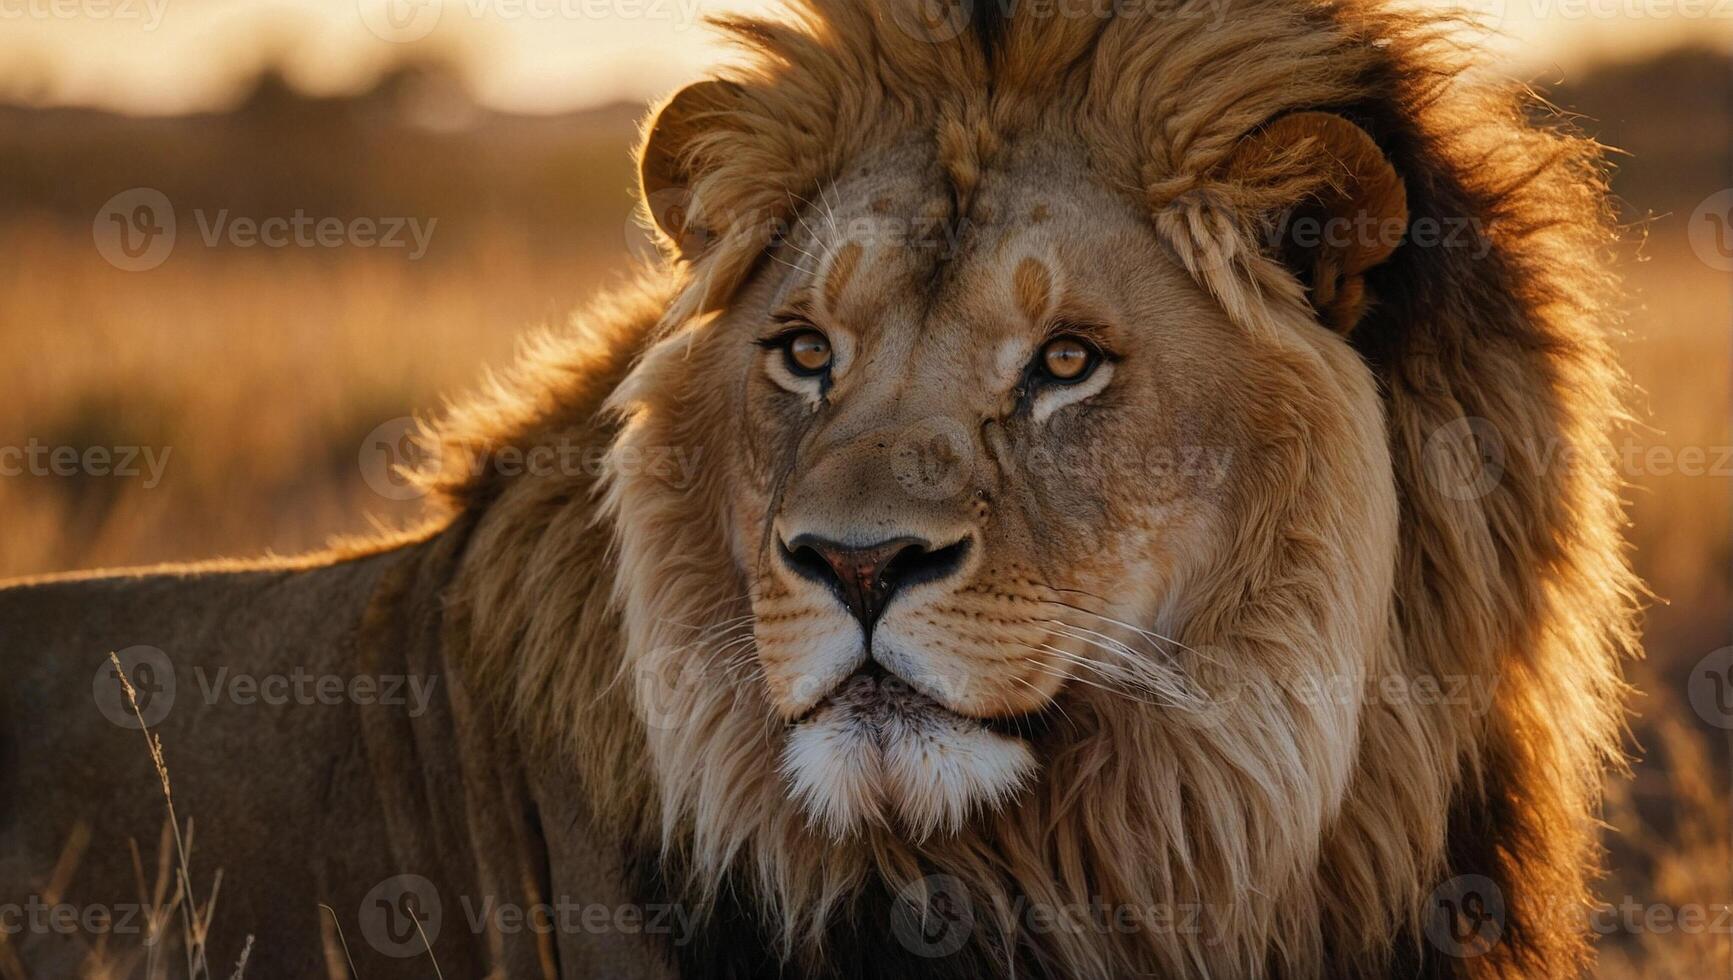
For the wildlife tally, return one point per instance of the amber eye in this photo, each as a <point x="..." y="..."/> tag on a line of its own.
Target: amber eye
<point x="808" y="352"/>
<point x="1068" y="359"/>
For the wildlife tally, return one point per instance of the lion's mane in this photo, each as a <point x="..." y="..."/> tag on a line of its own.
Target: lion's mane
<point x="1519" y="586"/>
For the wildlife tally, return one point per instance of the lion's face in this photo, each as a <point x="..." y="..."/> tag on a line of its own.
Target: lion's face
<point x="974" y="455"/>
<point x="1018" y="496"/>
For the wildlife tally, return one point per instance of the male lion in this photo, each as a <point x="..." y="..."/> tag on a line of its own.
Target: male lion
<point x="1151" y="517"/>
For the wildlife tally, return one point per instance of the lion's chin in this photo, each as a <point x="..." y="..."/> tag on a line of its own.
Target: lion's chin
<point x="872" y="752"/>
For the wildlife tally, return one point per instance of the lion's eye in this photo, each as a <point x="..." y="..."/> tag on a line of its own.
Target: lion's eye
<point x="808" y="352"/>
<point x="1068" y="360"/>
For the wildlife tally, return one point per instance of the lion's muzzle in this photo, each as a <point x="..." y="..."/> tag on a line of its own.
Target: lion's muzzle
<point x="877" y="749"/>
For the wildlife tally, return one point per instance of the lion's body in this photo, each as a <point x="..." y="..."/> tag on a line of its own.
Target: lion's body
<point x="1465" y="627"/>
<point x="244" y="773"/>
<point x="299" y="797"/>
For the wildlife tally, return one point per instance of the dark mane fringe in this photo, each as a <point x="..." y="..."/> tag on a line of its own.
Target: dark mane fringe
<point x="988" y="19"/>
<point x="1529" y="585"/>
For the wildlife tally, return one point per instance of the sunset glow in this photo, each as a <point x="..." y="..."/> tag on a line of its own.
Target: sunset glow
<point x="169" y="56"/>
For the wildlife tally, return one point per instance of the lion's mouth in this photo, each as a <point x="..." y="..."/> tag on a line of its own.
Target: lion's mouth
<point x="876" y="749"/>
<point x="877" y="697"/>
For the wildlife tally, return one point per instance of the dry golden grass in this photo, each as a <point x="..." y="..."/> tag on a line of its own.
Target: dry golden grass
<point x="1670" y="825"/>
<point x="257" y="374"/>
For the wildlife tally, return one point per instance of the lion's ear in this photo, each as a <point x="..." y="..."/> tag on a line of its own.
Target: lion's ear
<point x="665" y="161"/>
<point x="1332" y="205"/>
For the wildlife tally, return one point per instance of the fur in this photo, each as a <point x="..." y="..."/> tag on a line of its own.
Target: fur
<point x="1309" y="837"/>
<point x="1255" y="719"/>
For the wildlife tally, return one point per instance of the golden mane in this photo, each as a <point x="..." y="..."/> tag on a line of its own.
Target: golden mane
<point x="1498" y="391"/>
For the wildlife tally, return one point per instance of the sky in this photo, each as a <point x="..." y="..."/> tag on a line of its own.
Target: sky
<point x="169" y="56"/>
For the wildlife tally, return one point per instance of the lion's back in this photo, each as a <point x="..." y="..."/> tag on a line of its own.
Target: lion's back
<point x="227" y="664"/>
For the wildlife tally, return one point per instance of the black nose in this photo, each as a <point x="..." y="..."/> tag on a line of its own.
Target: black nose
<point x="865" y="577"/>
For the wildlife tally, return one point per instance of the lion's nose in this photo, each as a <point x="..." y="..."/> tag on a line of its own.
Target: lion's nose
<point x="865" y="577"/>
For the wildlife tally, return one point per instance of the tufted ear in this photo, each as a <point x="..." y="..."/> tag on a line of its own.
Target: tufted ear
<point x="1331" y="205"/>
<point x="665" y="160"/>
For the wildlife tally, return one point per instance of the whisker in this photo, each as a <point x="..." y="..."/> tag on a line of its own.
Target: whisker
<point x="1103" y="641"/>
<point x="1140" y="631"/>
<point x="713" y="627"/>
<point x="781" y="261"/>
<point x="829" y="211"/>
<point x="1147" y="676"/>
<point x="814" y="235"/>
<point x="1052" y="702"/>
<point x="1104" y="671"/>
<point x="1098" y="685"/>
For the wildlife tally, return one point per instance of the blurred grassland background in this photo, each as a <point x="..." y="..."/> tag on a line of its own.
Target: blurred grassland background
<point x="261" y="370"/>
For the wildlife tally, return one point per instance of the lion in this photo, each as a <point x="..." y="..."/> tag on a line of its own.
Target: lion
<point x="1152" y="516"/>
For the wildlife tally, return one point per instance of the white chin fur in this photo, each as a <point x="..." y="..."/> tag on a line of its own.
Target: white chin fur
<point x="872" y="753"/>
